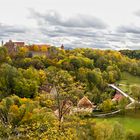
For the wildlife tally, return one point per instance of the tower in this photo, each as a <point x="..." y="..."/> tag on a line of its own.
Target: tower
<point x="2" y="43"/>
<point x="62" y="47"/>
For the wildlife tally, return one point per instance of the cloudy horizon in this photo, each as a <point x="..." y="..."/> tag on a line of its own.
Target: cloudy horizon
<point x="99" y="24"/>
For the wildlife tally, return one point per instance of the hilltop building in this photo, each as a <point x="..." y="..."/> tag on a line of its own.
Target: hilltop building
<point x="12" y="46"/>
<point x="62" y="47"/>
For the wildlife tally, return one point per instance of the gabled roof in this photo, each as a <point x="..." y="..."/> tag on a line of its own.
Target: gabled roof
<point x="85" y="103"/>
<point x="117" y="97"/>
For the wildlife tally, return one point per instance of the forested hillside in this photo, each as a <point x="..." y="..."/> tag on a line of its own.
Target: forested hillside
<point x="134" y="54"/>
<point x="27" y="106"/>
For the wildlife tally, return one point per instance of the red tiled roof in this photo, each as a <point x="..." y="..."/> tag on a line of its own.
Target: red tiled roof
<point x="118" y="97"/>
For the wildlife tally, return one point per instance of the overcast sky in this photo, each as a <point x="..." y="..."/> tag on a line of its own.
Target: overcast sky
<point x="105" y="24"/>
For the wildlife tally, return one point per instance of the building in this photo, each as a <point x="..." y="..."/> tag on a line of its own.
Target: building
<point x="62" y="47"/>
<point x="84" y="105"/>
<point x="12" y="46"/>
<point x="117" y="97"/>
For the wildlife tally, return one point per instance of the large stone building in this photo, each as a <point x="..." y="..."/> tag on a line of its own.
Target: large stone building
<point x="12" y="46"/>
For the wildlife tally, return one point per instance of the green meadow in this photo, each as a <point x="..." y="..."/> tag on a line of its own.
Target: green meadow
<point x="130" y="121"/>
<point x="127" y="81"/>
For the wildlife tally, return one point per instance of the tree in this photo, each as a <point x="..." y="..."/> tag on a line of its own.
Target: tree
<point x="102" y="62"/>
<point x="28" y="82"/>
<point x="118" y="132"/>
<point x="26" y="87"/>
<point x="75" y="63"/>
<point x="3" y="54"/>
<point x="94" y="78"/>
<point x="43" y="48"/>
<point x="136" y="94"/>
<point x="63" y="105"/>
<point x="23" y="118"/>
<point x="8" y="74"/>
<point x="131" y="135"/>
<point x="35" y="48"/>
<point x="102" y="131"/>
<point x="123" y="103"/>
<point x="58" y="77"/>
<point x="107" y="105"/>
<point x="22" y="53"/>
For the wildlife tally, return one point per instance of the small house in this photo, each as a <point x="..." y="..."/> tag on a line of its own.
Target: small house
<point x="117" y="97"/>
<point x="85" y="105"/>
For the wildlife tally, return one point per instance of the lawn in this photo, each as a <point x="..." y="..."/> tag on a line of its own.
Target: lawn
<point x="127" y="81"/>
<point x="131" y="121"/>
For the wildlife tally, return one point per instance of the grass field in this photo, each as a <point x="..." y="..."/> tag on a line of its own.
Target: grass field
<point x="131" y="121"/>
<point x="127" y="81"/>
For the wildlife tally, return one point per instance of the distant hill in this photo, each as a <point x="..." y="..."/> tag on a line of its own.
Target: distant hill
<point x="131" y="53"/>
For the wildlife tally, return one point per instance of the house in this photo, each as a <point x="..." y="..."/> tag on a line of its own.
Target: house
<point x="84" y="105"/>
<point x="12" y="46"/>
<point x="117" y="97"/>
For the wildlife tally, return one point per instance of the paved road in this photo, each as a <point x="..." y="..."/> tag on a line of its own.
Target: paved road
<point x="106" y="114"/>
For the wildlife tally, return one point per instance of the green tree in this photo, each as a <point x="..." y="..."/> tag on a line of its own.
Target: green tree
<point x="135" y="90"/>
<point x="3" y="55"/>
<point x="26" y="87"/>
<point x="107" y="105"/>
<point x="8" y="74"/>
<point x="118" y="132"/>
<point x="122" y="104"/>
<point x="102" y="131"/>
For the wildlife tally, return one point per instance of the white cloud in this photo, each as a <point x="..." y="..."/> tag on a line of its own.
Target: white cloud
<point x="87" y="29"/>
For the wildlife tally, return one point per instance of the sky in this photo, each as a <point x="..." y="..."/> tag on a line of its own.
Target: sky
<point x="103" y="24"/>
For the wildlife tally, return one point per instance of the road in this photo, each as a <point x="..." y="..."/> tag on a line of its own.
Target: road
<point x="123" y="93"/>
<point x="106" y="114"/>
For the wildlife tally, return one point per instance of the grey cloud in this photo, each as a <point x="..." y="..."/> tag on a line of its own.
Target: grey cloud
<point x="11" y="29"/>
<point x="134" y="47"/>
<point x="92" y="38"/>
<point x="77" y="32"/>
<point x="129" y="29"/>
<point x="7" y="31"/>
<point x="54" y="18"/>
<point x="137" y="13"/>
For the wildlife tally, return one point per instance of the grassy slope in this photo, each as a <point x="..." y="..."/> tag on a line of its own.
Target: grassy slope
<point x="128" y="81"/>
<point x="130" y="121"/>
